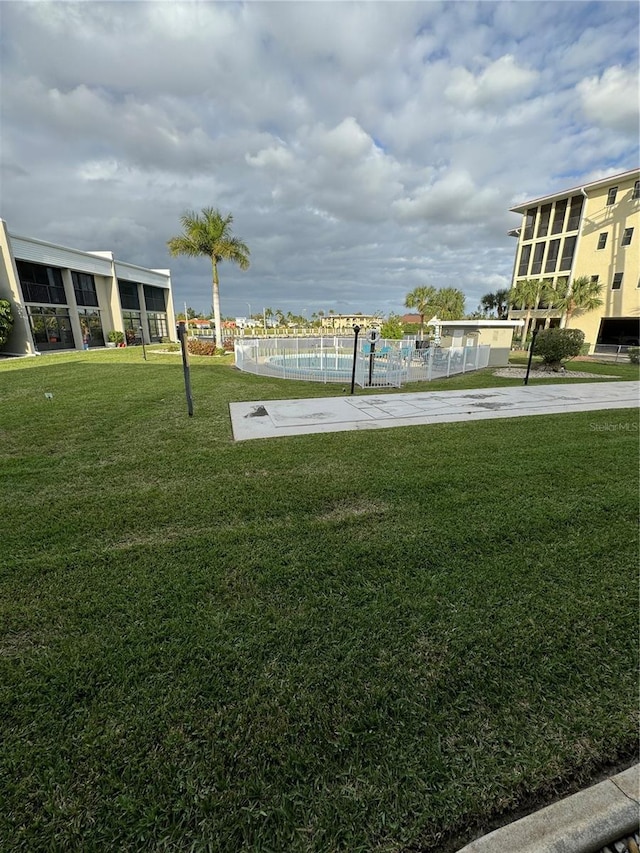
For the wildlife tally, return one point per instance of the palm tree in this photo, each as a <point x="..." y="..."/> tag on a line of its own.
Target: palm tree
<point x="584" y="294"/>
<point x="449" y="303"/>
<point x="502" y="303"/>
<point x="423" y="300"/>
<point x="487" y="304"/>
<point x="524" y="296"/>
<point x="209" y="234"/>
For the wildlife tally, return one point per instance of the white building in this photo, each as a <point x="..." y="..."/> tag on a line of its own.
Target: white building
<point x="66" y="298"/>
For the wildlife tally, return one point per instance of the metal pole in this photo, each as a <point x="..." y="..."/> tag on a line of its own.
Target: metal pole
<point x="371" y="356"/>
<point x="144" y="351"/>
<point x="356" y="329"/>
<point x="531" y="348"/>
<point x="185" y="366"/>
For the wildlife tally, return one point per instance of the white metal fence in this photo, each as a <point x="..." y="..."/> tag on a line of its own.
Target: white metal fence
<point x="330" y="359"/>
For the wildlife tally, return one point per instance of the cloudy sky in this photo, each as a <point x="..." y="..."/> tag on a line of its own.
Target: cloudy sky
<point x="363" y="148"/>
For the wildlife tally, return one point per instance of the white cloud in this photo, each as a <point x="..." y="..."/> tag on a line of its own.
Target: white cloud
<point x="500" y="83"/>
<point x="612" y="99"/>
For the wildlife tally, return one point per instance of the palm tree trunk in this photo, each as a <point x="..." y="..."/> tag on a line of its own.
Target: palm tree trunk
<point x="216" y="304"/>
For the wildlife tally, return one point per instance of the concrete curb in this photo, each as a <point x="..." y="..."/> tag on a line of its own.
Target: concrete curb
<point x="582" y="823"/>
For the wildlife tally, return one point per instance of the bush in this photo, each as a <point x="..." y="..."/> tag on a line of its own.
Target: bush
<point x="556" y="345"/>
<point x="6" y="320"/>
<point x="634" y="355"/>
<point x="115" y="337"/>
<point x="227" y="345"/>
<point x="197" y="347"/>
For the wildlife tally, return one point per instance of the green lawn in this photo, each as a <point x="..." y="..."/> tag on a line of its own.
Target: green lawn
<point x="360" y="641"/>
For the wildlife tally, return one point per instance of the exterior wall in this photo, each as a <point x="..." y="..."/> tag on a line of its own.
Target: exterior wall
<point x="611" y="220"/>
<point x="20" y="341"/>
<point x="105" y="271"/>
<point x="499" y="337"/>
<point x="597" y="217"/>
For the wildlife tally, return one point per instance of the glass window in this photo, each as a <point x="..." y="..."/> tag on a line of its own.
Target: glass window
<point x="595" y="279"/>
<point x="154" y="298"/>
<point x="611" y="195"/>
<point x="84" y="287"/>
<point x="617" y="281"/>
<point x="41" y="284"/>
<point x="525" y="254"/>
<point x="602" y="240"/>
<point x="575" y="212"/>
<point x="129" y="295"/>
<point x="552" y="256"/>
<point x="626" y="237"/>
<point x="529" y="220"/>
<point x="536" y="266"/>
<point x="558" y="216"/>
<point x="157" y="326"/>
<point x="636" y="190"/>
<point x="543" y="222"/>
<point x="91" y="325"/>
<point x="567" y="253"/>
<point x="51" y="328"/>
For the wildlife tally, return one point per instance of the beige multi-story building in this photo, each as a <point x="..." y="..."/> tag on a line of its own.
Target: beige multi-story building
<point x="590" y="230"/>
<point x="64" y="298"/>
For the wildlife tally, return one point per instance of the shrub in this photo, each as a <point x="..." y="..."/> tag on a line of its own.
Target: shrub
<point x="115" y="337"/>
<point x="556" y="345"/>
<point x="197" y="347"/>
<point x="634" y="355"/>
<point x="6" y="320"/>
<point x="392" y="328"/>
<point x="227" y="345"/>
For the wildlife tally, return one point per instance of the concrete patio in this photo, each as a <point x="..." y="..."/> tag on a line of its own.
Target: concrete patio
<point x="271" y="418"/>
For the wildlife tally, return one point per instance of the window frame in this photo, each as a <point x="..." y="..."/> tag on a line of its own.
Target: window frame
<point x="616" y="284"/>
<point x="628" y="232"/>
<point x="612" y="194"/>
<point x="602" y="234"/>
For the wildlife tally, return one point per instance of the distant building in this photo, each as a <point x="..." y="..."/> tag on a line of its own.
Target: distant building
<point x="346" y="322"/>
<point x="590" y="230"/>
<point x="66" y="298"/>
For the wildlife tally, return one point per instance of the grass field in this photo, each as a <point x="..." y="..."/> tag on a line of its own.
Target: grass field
<point x="361" y="641"/>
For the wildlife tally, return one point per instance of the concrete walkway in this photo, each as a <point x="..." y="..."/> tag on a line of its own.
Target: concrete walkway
<point x="270" y="418"/>
<point x="582" y="823"/>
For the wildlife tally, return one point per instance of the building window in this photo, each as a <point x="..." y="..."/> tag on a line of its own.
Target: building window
<point x="41" y="284"/>
<point x="129" y="295"/>
<point x="626" y="237"/>
<point x="558" y="216"/>
<point x="543" y="222"/>
<point x="157" y="326"/>
<point x="529" y="220"/>
<point x="617" y="281"/>
<point x="552" y="256"/>
<point x="567" y="253"/>
<point x="595" y="279"/>
<point x="575" y="212"/>
<point x="602" y="240"/>
<point x="611" y="195"/>
<point x="525" y="254"/>
<point x="51" y="328"/>
<point x="536" y="265"/>
<point x="154" y="298"/>
<point x="84" y="287"/>
<point x="91" y="325"/>
<point x="636" y="190"/>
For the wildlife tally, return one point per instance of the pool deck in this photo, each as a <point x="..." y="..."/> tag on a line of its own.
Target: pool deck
<point x="272" y="418"/>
